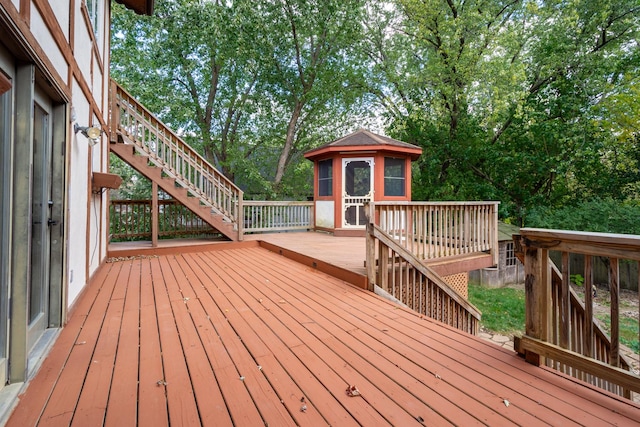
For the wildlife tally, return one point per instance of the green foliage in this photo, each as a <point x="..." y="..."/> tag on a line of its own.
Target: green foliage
<point x="502" y="308"/>
<point x="577" y="279"/>
<point x="134" y="186"/>
<point x="249" y="84"/>
<point x="598" y="215"/>
<point x="628" y="330"/>
<point x="524" y="102"/>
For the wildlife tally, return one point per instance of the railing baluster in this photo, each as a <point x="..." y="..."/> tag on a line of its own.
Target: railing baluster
<point x="614" y="289"/>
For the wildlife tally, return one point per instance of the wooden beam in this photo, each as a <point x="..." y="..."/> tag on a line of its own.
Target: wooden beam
<point x="622" y="246"/>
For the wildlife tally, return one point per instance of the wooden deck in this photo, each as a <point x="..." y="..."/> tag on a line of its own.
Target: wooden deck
<point x="239" y="335"/>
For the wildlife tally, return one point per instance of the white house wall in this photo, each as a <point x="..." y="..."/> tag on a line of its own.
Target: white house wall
<point x="46" y="40"/>
<point x="73" y="62"/>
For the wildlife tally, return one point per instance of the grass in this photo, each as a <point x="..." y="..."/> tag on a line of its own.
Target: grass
<point x="628" y="330"/>
<point x="502" y="308"/>
<point x="503" y="313"/>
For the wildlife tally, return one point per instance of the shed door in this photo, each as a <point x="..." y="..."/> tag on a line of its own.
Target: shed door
<point x="357" y="189"/>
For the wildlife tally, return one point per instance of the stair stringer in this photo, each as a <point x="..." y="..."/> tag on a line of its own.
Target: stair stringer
<point x="184" y="193"/>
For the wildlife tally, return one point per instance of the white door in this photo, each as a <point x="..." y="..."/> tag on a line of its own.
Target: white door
<point x="357" y="189"/>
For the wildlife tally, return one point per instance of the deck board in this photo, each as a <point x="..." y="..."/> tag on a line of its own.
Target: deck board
<point x="122" y="405"/>
<point x="244" y="336"/>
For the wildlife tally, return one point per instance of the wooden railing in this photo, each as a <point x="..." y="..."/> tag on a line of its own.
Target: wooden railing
<point x="432" y="230"/>
<point x="266" y="216"/>
<point x="400" y="273"/>
<point x="137" y="125"/>
<point x="561" y="331"/>
<point x="132" y="220"/>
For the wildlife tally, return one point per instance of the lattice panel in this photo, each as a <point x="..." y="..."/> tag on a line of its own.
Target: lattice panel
<point x="459" y="283"/>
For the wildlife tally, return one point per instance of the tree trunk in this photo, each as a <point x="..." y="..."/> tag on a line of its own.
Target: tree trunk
<point x="288" y="144"/>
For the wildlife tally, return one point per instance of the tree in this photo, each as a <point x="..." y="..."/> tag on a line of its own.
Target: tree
<point x="506" y="96"/>
<point x="250" y="84"/>
<point x="313" y="69"/>
<point x="196" y="65"/>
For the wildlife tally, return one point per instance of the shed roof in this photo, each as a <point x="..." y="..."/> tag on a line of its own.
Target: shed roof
<point x="506" y="231"/>
<point x="364" y="140"/>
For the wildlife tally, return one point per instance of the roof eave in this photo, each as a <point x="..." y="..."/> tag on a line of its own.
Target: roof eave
<point x="141" y="7"/>
<point x="414" y="153"/>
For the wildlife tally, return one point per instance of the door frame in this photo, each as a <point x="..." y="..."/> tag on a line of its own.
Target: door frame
<point x="6" y="157"/>
<point x="26" y="79"/>
<point x="41" y="185"/>
<point x="357" y="202"/>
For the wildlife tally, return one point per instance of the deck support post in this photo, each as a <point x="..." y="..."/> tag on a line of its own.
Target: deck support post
<point x="154" y="214"/>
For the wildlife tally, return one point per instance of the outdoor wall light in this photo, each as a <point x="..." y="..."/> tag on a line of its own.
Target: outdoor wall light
<point x="91" y="132"/>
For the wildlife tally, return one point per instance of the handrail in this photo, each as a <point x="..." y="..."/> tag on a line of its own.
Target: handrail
<point x="403" y="275"/>
<point x="136" y="125"/>
<point x="275" y="216"/>
<point x="441" y="229"/>
<point x="556" y="319"/>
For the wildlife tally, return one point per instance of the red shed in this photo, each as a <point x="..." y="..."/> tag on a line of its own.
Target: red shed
<point x="354" y="170"/>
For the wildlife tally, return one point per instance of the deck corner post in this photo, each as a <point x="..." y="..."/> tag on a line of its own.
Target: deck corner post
<point x="240" y="217"/>
<point x="537" y="297"/>
<point x="494" y="234"/>
<point x="370" y="259"/>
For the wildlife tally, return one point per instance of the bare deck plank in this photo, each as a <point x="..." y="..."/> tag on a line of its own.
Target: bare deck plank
<point x="29" y="410"/>
<point x="360" y="355"/>
<point x="358" y="371"/>
<point x="152" y="400"/>
<point x="64" y="397"/>
<point x="123" y="402"/>
<point x="181" y="403"/>
<point x="92" y="403"/>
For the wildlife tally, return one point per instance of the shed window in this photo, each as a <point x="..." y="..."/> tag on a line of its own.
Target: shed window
<point x="394" y="176"/>
<point x="325" y="177"/>
<point x="510" y="256"/>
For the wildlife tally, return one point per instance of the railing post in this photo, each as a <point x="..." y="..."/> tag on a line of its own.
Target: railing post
<point x="494" y="234"/>
<point x="240" y="217"/>
<point x="115" y="112"/>
<point x="614" y="288"/>
<point x="537" y="296"/>
<point x="370" y="258"/>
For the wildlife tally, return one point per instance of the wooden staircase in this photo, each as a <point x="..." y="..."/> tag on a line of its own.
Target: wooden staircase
<point x="145" y="143"/>
<point x="141" y="163"/>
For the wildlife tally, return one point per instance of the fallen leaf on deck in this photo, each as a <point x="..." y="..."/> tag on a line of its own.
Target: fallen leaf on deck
<point x="353" y="391"/>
